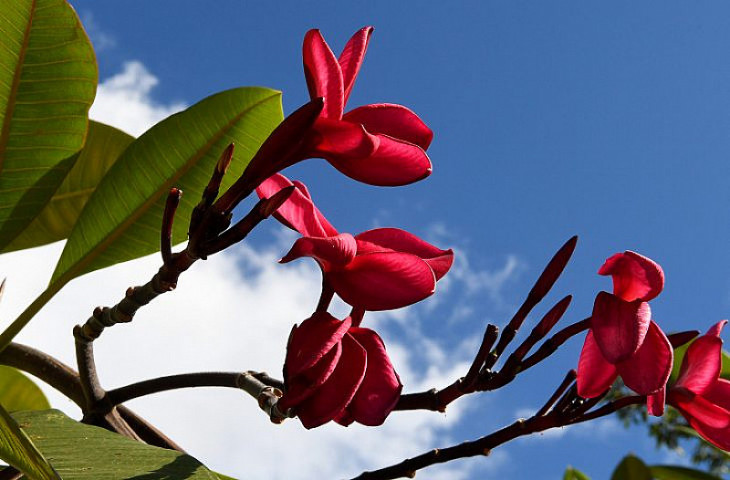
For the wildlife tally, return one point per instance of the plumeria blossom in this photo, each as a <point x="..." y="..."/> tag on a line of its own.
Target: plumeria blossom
<point x="379" y="144"/>
<point x="623" y="339"/>
<point x="337" y="371"/>
<point x="700" y="395"/>
<point x="379" y="269"/>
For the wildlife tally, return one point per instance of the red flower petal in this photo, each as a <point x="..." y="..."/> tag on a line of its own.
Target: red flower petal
<point x="701" y="364"/>
<point x="312" y="340"/>
<point x="619" y="326"/>
<point x="323" y="74"/>
<point x="339" y="142"/>
<point x="720" y="437"/>
<point x="394" y="163"/>
<point x="719" y="393"/>
<point x="330" y="400"/>
<point x="698" y="410"/>
<point x="401" y="241"/>
<point x="393" y="120"/>
<point x="381" y="387"/>
<point x="351" y="58"/>
<point x="383" y="281"/>
<point x="655" y="402"/>
<point x="330" y="252"/>
<point x="648" y="369"/>
<point x="595" y="374"/>
<point x="298" y="212"/>
<point x="303" y="385"/>
<point x="635" y="277"/>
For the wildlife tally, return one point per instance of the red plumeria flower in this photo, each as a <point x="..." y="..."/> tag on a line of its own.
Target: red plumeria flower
<point x="379" y="269"/>
<point x="700" y="395"/>
<point x="334" y="371"/>
<point x="380" y="144"/>
<point x="623" y="339"/>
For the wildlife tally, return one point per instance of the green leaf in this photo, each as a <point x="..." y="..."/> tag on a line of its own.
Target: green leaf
<point x="48" y="81"/>
<point x="104" y="145"/>
<point x="18" y="392"/>
<point x="122" y="219"/>
<point x="671" y="472"/>
<point x="574" y="474"/>
<point x="631" y="468"/>
<point x="18" y="450"/>
<point x="83" y="452"/>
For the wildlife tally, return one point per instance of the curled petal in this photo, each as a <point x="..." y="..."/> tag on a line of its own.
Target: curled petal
<point x="648" y="369"/>
<point x="323" y="74"/>
<point x="312" y="340"/>
<point x="719" y="437"/>
<point x="701" y="364"/>
<point x="330" y="252"/>
<point x="595" y="374"/>
<point x="719" y="393"/>
<point x="698" y="410"/>
<point x="394" y="163"/>
<point x="655" y="402"/>
<point x="298" y="212"/>
<point x="401" y="241"/>
<point x="341" y="142"/>
<point x="351" y="58"/>
<point x="381" y="387"/>
<point x="303" y="385"/>
<point x="393" y="120"/>
<point x="619" y="326"/>
<point x="383" y="281"/>
<point x="635" y="277"/>
<point x="716" y="329"/>
<point x="330" y="400"/>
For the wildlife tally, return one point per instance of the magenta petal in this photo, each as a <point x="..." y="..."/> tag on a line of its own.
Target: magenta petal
<point x="719" y="393"/>
<point x="330" y="400"/>
<point x="619" y="326"/>
<point x="393" y="120"/>
<point x="351" y="58"/>
<point x="383" y="281"/>
<point x="381" y="387"/>
<point x="698" y="408"/>
<point x="701" y="364"/>
<point x="339" y="142"/>
<point x="595" y="374"/>
<point x="330" y="252"/>
<point x="655" y="402"/>
<point x="716" y="329"/>
<point x="298" y="212"/>
<point x="323" y="74"/>
<point x="401" y="241"/>
<point x="394" y="163"/>
<point x="635" y="277"/>
<point x="303" y="385"/>
<point x="648" y="369"/>
<point x="720" y="437"/>
<point x="312" y="340"/>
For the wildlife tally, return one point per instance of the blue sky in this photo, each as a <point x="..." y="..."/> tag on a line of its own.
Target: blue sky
<point x="605" y="120"/>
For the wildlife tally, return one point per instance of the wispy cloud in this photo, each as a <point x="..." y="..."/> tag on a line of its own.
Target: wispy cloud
<point x="100" y="39"/>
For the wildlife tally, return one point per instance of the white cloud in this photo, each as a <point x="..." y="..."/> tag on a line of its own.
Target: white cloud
<point x="124" y="100"/>
<point x="99" y="38"/>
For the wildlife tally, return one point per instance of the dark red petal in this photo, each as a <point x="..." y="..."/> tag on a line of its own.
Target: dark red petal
<point x="351" y="58"/>
<point x="381" y="387"/>
<point x="338" y="141"/>
<point x="697" y="408"/>
<point x="655" y="402"/>
<point x="331" y="252"/>
<point x="595" y="374"/>
<point x="619" y="326"/>
<point x="719" y="393"/>
<point x="298" y="212"/>
<point x="394" y="163"/>
<point x="648" y="369"/>
<point x="701" y="364"/>
<point x="312" y="340"/>
<point x="383" y="281"/>
<point x="302" y="386"/>
<point x="401" y="241"/>
<point x="330" y="400"/>
<point x="323" y="74"/>
<point x="635" y="277"/>
<point x="393" y="120"/>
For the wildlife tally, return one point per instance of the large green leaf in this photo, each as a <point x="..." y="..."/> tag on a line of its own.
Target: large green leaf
<point x="83" y="452"/>
<point x="18" y="450"/>
<point x="574" y="474"/>
<point x="18" y="392"/>
<point x="122" y="219"/>
<point x="48" y="81"/>
<point x="631" y="468"/>
<point x="104" y="145"/>
<point x="671" y="472"/>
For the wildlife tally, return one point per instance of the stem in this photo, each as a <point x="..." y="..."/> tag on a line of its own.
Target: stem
<point x="173" y="382"/>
